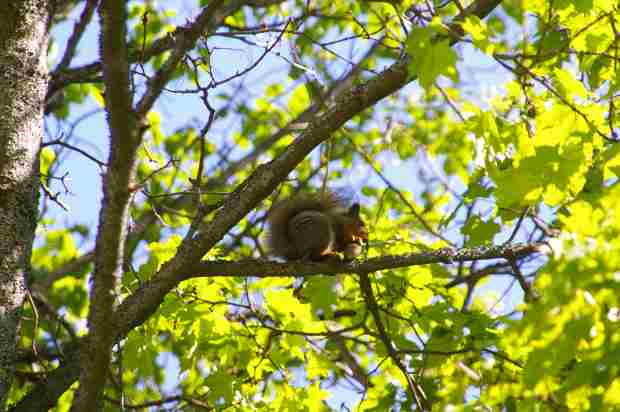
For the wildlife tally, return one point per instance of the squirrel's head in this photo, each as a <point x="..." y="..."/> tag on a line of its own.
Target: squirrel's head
<point x="356" y="228"/>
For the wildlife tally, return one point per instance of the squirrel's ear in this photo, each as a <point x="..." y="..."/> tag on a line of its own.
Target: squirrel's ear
<point x="354" y="210"/>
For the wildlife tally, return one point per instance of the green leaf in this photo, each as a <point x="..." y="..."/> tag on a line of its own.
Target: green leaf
<point x="479" y="231"/>
<point x="47" y="158"/>
<point x="480" y="34"/>
<point x="220" y="386"/>
<point x="321" y="293"/>
<point x="430" y="58"/>
<point x="301" y="98"/>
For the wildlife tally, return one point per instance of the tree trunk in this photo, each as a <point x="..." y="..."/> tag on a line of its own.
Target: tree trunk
<point x="23" y="85"/>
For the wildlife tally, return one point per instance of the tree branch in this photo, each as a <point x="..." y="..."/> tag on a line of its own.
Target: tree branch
<point x="78" y="31"/>
<point x="44" y="395"/>
<point x="417" y="393"/>
<point x="267" y="268"/>
<point x="112" y="230"/>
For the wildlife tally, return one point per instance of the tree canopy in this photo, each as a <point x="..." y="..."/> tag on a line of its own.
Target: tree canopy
<point x="480" y="137"/>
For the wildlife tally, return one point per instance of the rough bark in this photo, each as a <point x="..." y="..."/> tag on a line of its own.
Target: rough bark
<point x="112" y="230"/>
<point x="23" y="85"/>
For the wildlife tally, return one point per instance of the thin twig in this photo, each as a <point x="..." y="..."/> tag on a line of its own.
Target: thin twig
<point x="78" y="31"/>
<point x="60" y="142"/>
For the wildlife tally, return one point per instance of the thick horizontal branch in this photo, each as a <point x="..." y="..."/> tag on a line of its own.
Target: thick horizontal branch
<point x="268" y="268"/>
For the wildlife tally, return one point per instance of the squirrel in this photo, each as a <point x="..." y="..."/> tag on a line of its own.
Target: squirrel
<point x="316" y="227"/>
